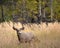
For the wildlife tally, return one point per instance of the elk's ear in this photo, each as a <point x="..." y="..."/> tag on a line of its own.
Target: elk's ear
<point x="22" y="28"/>
<point x="15" y="28"/>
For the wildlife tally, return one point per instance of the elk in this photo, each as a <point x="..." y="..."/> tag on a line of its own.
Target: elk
<point x="24" y="36"/>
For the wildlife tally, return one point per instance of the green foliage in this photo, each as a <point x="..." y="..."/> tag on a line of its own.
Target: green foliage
<point x="28" y="9"/>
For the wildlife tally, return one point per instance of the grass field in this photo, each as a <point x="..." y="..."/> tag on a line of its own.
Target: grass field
<point x="49" y="36"/>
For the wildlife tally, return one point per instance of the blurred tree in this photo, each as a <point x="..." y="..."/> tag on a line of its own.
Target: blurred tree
<point x="29" y="10"/>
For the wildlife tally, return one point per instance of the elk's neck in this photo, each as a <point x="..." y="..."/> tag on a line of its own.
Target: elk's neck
<point x="18" y="35"/>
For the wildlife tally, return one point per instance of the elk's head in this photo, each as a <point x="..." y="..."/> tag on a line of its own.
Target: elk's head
<point x="17" y="30"/>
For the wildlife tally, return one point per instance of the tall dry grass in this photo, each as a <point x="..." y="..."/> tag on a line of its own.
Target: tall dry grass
<point x="49" y="36"/>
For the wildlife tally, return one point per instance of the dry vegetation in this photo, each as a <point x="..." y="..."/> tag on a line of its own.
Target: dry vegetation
<point x="49" y="36"/>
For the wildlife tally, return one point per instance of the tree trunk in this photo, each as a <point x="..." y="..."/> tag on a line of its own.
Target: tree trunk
<point x="24" y="8"/>
<point x="51" y="6"/>
<point x="39" y="11"/>
<point x="2" y="14"/>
